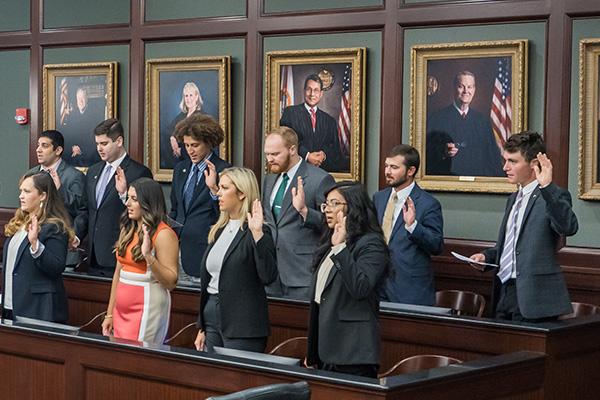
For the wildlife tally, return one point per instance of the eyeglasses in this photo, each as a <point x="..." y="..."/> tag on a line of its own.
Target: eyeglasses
<point x="331" y="204"/>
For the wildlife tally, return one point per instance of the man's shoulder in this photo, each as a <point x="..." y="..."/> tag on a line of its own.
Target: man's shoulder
<point x="316" y="172"/>
<point x="424" y="196"/>
<point x="219" y="163"/>
<point x="325" y="114"/>
<point x="133" y="165"/>
<point x="34" y="170"/>
<point x="385" y="192"/>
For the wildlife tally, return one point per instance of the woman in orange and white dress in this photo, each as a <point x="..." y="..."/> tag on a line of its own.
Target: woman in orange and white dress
<point x="147" y="256"/>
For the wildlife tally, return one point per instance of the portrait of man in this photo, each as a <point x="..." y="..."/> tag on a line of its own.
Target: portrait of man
<point x="81" y="105"/>
<point x="315" y="104"/>
<point x="468" y="116"/>
<point x="183" y="93"/>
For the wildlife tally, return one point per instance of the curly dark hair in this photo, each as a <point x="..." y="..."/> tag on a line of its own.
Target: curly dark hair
<point x="361" y="217"/>
<point x="200" y="127"/>
<point x="528" y="143"/>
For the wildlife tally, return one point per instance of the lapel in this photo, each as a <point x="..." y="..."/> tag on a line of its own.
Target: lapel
<point x="236" y="241"/>
<point x="22" y="247"/>
<point x="534" y="196"/>
<point x="94" y="174"/>
<point x="110" y="186"/>
<point x="61" y="169"/>
<point x="509" y="206"/>
<point x="198" y="189"/>
<point x="181" y="179"/>
<point x="287" y="199"/>
<point x="381" y="203"/>
<point x="414" y="194"/>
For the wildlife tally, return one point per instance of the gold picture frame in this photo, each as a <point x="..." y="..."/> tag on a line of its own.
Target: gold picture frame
<point x="76" y="98"/>
<point x="589" y="81"/>
<point x="488" y="79"/>
<point x="340" y="108"/>
<point x="167" y="79"/>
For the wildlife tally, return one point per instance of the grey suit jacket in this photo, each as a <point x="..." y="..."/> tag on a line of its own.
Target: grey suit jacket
<point x="295" y="239"/>
<point x="541" y="288"/>
<point x="72" y="191"/>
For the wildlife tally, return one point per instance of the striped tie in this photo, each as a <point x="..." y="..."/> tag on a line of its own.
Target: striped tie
<point x="507" y="262"/>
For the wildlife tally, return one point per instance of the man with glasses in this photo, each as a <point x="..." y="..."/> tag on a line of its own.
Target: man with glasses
<point x="412" y="224"/>
<point x="291" y="195"/>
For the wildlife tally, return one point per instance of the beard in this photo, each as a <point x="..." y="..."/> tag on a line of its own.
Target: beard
<point x="282" y="167"/>
<point x="398" y="182"/>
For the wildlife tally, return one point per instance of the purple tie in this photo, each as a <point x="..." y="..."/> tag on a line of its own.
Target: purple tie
<point x="507" y="262"/>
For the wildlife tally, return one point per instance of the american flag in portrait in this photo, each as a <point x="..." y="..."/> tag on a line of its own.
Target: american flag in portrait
<point x="345" y="117"/>
<point x="501" y="112"/>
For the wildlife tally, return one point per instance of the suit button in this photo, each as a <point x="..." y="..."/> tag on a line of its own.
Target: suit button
<point x="517" y="252"/>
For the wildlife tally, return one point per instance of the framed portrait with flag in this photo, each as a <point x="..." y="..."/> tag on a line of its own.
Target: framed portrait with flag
<point x="319" y="94"/>
<point x="76" y="98"/>
<point x="466" y="101"/>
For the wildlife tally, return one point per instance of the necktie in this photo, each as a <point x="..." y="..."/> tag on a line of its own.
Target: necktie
<point x="464" y="114"/>
<point x="279" y="195"/>
<point x="313" y="118"/>
<point x="507" y="262"/>
<point x="103" y="183"/>
<point x="388" y="217"/>
<point x="190" y="186"/>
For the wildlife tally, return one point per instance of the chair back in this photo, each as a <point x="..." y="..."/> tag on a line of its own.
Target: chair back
<point x="280" y="391"/>
<point x="294" y="347"/>
<point x="184" y="337"/>
<point x="581" y="310"/>
<point x="418" y="363"/>
<point x="465" y="303"/>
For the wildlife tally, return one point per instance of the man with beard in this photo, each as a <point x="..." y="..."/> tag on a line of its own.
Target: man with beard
<point x="412" y="224"/>
<point x="291" y="196"/>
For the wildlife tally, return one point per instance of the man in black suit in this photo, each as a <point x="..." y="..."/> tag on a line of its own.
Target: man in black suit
<point x="69" y="181"/>
<point x="529" y="284"/>
<point x="106" y="193"/>
<point x="192" y="204"/>
<point x="317" y="131"/>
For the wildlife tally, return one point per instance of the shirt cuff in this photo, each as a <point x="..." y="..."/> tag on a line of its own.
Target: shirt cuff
<point x="38" y="252"/>
<point x="412" y="227"/>
<point x="123" y="197"/>
<point x="213" y="196"/>
<point x="338" y="248"/>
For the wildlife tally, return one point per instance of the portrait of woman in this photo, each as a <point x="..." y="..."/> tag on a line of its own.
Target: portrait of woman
<point x="35" y="252"/>
<point x="191" y="102"/>
<point x="351" y="262"/>
<point x="147" y="260"/>
<point x="239" y="261"/>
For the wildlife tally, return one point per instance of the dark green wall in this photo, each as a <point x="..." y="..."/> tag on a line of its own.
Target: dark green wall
<point x="65" y="13"/>
<point x="484" y="210"/>
<point x="14" y="15"/>
<point x="372" y="41"/>
<point x="275" y="6"/>
<point x="588" y="212"/>
<point x="14" y="152"/>
<point x="181" y="9"/>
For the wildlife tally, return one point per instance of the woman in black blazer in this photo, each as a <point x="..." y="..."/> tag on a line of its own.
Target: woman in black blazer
<point x="35" y="252"/>
<point x="239" y="261"/>
<point x="352" y="261"/>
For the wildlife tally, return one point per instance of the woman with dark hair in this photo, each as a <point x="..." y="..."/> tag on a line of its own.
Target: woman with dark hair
<point x="35" y="252"/>
<point x="350" y="266"/>
<point x="147" y="252"/>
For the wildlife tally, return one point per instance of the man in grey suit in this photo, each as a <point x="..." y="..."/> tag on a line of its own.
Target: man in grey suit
<point x="69" y="181"/>
<point x="291" y="196"/>
<point x="529" y="284"/>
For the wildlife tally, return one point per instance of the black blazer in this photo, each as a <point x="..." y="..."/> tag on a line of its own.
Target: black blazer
<point x="202" y="213"/>
<point x="101" y="222"/>
<point x="38" y="290"/>
<point x="247" y="267"/>
<point x="344" y="328"/>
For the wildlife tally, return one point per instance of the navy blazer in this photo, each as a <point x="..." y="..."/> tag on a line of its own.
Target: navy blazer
<point x="344" y="328"/>
<point x="38" y="290"/>
<point x="101" y="221"/>
<point x="247" y="267"/>
<point x="196" y="221"/>
<point x="411" y="280"/>
<point x="541" y="288"/>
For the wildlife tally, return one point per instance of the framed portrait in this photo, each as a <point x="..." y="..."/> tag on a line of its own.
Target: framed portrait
<point x="466" y="100"/>
<point x="76" y="98"/>
<point x="175" y="89"/>
<point x="320" y="95"/>
<point x="589" y="114"/>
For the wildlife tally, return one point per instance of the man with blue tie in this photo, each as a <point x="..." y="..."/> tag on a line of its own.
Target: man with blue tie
<point x="192" y="204"/>
<point x="106" y="192"/>
<point x="411" y="220"/>
<point x="529" y="284"/>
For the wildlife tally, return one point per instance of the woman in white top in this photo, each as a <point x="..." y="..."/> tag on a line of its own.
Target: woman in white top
<point x="35" y="252"/>
<point x="239" y="261"/>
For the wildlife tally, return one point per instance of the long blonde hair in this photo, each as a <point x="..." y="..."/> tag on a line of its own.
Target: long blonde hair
<point x="192" y="86"/>
<point x="245" y="182"/>
<point x="51" y="211"/>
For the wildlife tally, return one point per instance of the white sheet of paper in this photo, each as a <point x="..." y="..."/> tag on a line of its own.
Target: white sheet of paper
<point x="468" y="260"/>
